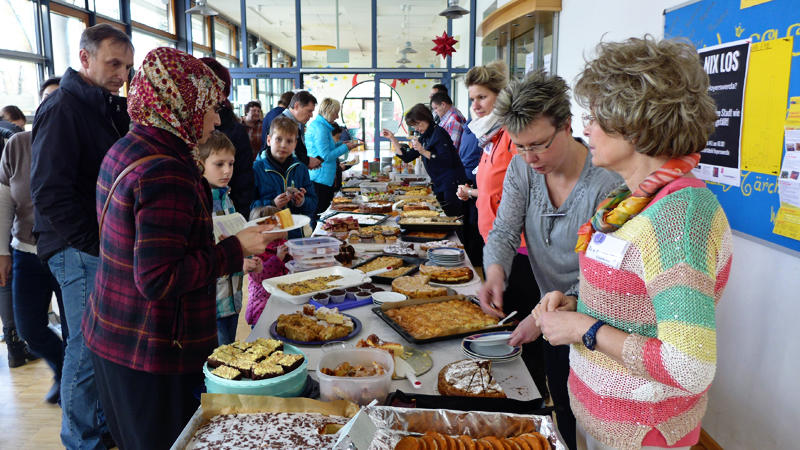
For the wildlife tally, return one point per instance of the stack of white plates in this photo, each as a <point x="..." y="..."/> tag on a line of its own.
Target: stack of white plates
<point x="446" y="256"/>
<point x="382" y="297"/>
<point x="492" y="346"/>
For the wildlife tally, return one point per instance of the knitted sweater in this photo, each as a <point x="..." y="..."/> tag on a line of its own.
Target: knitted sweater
<point x="664" y="294"/>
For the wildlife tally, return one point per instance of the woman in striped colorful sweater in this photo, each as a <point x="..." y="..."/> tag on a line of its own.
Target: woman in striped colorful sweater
<point x="654" y="259"/>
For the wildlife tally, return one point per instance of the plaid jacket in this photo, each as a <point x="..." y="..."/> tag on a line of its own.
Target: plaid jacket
<point x="153" y="306"/>
<point x="453" y="122"/>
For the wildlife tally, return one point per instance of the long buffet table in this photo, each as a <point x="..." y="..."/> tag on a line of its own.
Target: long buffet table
<point x="513" y="376"/>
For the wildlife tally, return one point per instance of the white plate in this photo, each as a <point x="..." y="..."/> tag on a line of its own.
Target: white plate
<point x="299" y="222"/>
<point x="488" y="339"/>
<point x="382" y="297"/>
<point x="349" y="278"/>
<point x="494" y="353"/>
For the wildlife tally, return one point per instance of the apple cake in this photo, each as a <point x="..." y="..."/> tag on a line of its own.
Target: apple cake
<point x="416" y="286"/>
<point x="442" y="318"/>
<point x="449" y="275"/>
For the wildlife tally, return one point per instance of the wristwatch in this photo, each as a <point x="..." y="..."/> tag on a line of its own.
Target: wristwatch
<point x="590" y="338"/>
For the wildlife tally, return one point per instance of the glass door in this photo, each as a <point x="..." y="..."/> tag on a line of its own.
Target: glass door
<point x="399" y="92"/>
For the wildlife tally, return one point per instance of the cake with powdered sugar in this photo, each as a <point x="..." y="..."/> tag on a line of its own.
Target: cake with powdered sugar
<point x="469" y="378"/>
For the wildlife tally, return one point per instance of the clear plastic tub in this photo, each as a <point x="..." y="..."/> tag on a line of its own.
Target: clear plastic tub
<point x="305" y="264"/>
<point x="313" y="247"/>
<point x="361" y="390"/>
<point x="373" y="186"/>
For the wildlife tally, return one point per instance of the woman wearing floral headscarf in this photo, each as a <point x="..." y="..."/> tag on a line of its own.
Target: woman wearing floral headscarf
<point x="150" y="321"/>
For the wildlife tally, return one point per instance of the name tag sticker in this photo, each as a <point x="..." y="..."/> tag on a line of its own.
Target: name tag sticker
<point x="607" y="249"/>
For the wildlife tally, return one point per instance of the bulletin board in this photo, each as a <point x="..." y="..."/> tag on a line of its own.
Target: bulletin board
<point x="752" y="207"/>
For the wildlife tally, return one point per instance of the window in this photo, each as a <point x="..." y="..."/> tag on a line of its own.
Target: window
<point x="200" y="30"/>
<point x="403" y="25"/>
<point x="143" y="43"/>
<point x="19" y="27"/>
<point x="225" y="43"/>
<point x="274" y="22"/>
<point x="19" y="84"/>
<point x="67" y="46"/>
<point x="320" y="33"/>
<point x="157" y="14"/>
<point x="224" y="37"/>
<point x="108" y="8"/>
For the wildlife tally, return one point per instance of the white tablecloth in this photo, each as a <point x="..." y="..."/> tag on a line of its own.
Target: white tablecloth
<point x="513" y="376"/>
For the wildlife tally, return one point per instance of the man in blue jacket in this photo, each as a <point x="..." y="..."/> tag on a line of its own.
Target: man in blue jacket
<point x="72" y="130"/>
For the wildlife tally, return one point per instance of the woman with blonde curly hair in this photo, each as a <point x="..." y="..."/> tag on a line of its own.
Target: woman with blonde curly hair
<point x="654" y="258"/>
<point x="320" y="143"/>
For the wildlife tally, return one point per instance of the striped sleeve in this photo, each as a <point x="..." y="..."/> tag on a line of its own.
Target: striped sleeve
<point x="686" y="258"/>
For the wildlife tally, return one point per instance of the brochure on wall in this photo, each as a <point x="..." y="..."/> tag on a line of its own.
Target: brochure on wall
<point x="726" y="66"/>
<point x="789" y="180"/>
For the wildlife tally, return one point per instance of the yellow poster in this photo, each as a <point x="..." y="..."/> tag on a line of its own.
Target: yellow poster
<point x="765" y="97"/>
<point x="749" y="3"/>
<point x="787" y="221"/>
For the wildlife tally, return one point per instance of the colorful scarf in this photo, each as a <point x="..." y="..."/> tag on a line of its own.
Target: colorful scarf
<point x="620" y="205"/>
<point x="172" y="91"/>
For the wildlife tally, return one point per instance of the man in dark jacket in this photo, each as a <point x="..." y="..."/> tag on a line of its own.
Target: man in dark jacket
<point x="243" y="185"/>
<point x="72" y="130"/>
<point x="283" y="103"/>
<point x="300" y="111"/>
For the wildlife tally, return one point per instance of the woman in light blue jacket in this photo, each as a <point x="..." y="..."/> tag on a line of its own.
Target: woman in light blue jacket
<point x="320" y="143"/>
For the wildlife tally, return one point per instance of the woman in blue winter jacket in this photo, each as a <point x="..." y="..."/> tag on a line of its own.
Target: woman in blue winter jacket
<point x="320" y="143"/>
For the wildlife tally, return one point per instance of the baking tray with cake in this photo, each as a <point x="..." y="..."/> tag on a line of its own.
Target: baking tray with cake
<point x="420" y="324"/>
<point x="363" y="219"/>
<point x="298" y="288"/>
<point x="438" y="223"/>
<point x="399" y="263"/>
<point x="423" y="236"/>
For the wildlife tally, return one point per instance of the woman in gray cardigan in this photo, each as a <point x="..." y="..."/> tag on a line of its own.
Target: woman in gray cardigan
<point x="549" y="190"/>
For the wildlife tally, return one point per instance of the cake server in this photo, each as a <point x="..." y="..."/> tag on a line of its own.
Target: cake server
<point x="404" y="369"/>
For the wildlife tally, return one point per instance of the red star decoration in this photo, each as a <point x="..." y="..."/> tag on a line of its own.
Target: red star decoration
<point x="403" y="80"/>
<point x="444" y="45"/>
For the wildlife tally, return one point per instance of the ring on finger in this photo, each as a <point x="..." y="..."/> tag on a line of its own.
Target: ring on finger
<point x="545" y="338"/>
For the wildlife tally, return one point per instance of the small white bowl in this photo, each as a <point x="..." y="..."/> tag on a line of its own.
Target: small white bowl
<point x="388" y="297"/>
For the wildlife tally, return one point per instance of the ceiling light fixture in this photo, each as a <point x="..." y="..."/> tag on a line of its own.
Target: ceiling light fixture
<point x="403" y="60"/>
<point x="453" y="11"/>
<point x="259" y="50"/>
<point x="407" y="49"/>
<point x="201" y="8"/>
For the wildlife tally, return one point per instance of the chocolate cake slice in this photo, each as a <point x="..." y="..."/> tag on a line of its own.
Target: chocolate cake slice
<point x="228" y="373"/>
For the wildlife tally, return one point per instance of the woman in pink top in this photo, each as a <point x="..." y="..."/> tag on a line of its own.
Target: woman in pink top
<point x="654" y="259"/>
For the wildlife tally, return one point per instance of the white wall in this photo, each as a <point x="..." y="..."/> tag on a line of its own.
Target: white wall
<point x="755" y="398"/>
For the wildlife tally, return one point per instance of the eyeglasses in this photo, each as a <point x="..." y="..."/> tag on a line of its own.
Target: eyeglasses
<point x="537" y="149"/>
<point x="588" y="119"/>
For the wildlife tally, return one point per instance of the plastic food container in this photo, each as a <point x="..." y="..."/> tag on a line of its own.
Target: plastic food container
<point x="313" y="247"/>
<point x="361" y="390"/>
<point x="287" y="385"/>
<point x="373" y="186"/>
<point x="303" y="265"/>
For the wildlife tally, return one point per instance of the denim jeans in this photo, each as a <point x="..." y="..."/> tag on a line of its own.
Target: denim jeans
<point x="81" y="423"/>
<point x="226" y="329"/>
<point x="33" y="286"/>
